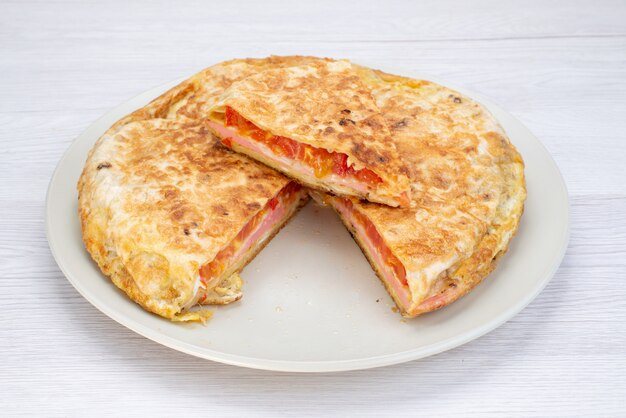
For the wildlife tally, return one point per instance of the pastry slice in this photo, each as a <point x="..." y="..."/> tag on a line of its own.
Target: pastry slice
<point x="467" y="195"/>
<point x="318" y="124"/>
<point x="171" y="216"/>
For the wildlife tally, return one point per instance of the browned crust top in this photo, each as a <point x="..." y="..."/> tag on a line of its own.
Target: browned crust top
<point x="155" y="188"/>
<point x="468" y="188"/>
<point x="327" y="105"/>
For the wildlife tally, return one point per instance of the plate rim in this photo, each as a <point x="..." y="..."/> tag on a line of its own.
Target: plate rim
<point x="321" y="365"/>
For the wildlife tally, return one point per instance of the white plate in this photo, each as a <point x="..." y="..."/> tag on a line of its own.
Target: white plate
<point x="311" y="301"/>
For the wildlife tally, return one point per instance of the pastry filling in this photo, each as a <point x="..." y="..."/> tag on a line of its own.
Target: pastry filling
<point x="236" y="131"/>
<point x="256" y="231"/>
<point x="390" y="267"/>
<point x="321" y="161"/>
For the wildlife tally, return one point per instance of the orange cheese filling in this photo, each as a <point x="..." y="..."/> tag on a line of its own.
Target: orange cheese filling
<point x="322" y="161"/>
<point x="225" y="257"/>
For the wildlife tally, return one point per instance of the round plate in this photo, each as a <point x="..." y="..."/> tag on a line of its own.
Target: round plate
<point x="311" y="301"/>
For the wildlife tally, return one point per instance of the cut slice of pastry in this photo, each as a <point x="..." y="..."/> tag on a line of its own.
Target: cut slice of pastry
<point x="317" y="123"/>
<point x="412" y="250"/>
<point x="172" y="216"/>
<point x="467" y="195"/>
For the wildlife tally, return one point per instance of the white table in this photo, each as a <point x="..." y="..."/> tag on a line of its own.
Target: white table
<point x="559" y="67"/>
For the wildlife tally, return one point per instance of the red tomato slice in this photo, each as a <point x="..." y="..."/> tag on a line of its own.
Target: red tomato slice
<point x="388" y="257"/>
<point x="322" y="161"/>
<point x="231" y="118"/>
<point x="228" y="141"/>
<point x="273" y="203"/>
<point x="368" y="176"/>
<point x="287" y="147"/>
<point x="221" y="260"/>
<point x="341" y="164"/>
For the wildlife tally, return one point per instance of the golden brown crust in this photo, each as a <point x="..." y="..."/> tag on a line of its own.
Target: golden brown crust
<point x="468" y="189"/>
<point x="158" y="199"/>
<point x="192" y="99"/>
<point x="324" y="104"/>
<point x="467" y="183"/>
<point x="460" y="280"/>
<point x="158" y="196"/>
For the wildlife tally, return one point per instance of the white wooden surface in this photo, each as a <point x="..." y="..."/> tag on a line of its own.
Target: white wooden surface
<point x="558" y="66"/>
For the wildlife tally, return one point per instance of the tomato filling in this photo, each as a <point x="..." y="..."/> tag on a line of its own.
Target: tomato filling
<point x="225" y="257"/>
<point x="322" y="162"/>
<point x="385" y="253"/>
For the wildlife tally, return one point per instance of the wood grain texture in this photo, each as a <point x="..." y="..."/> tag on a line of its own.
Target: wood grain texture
<point x="558" y="66"/>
